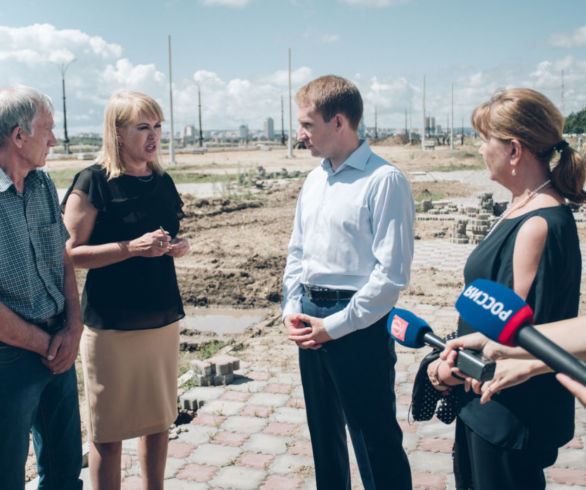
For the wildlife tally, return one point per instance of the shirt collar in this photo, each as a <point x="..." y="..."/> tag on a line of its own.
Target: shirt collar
<point x="6" y="182"/>
<point x="357" y="159"/>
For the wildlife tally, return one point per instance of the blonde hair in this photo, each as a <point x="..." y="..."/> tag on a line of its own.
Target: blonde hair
<point x="123" y="109"/>
<point x="531" y="118"/>
<point x="330" y="95"/>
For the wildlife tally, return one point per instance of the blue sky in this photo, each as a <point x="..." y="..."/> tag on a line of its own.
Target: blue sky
<point x="236" y="51"/>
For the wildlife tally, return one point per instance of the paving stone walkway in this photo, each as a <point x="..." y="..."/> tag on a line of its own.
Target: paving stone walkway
<point x="253" y="434"/>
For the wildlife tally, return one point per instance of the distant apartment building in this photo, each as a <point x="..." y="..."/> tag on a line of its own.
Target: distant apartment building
<point x="189" y="135"/>
<point x="430" y="125"/>
<point x="269" y="128"/>
<point x="243" y="130"/>
<point x="361" y="129"/>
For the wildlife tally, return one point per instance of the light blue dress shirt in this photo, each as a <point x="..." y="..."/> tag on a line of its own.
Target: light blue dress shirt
<point x="353" y="229"/>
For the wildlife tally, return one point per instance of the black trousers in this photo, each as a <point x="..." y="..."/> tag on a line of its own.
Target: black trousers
<point x="480" y="465"/>
<point x="351" y="381"/>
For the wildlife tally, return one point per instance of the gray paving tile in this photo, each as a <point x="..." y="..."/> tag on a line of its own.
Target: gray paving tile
<point x="238" y="477"/>
<point x="248" y="425"/>
<point x="214" y="455"/>
<point x="266" y="443"/>
<point x="268" y="399"/>
<point x="289" y="415"/>
<point x="221" y="407"/>
<point x="288" y="463"/>
<point x="430" y="462"/>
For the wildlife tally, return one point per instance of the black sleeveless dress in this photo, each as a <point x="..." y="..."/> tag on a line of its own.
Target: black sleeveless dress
<point x="539" y="412"/>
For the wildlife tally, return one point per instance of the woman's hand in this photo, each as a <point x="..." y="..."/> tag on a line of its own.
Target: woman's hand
<point x="152" y="244"/>
<point x="441" y="375"/>
<point x="178" y="247"/>
<point x="478" y="342"/>
<point x="511" y="372"/>
<point x="575" y="387"/>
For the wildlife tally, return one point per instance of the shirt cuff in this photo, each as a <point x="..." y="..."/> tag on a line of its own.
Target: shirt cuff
<point x="337" y="325"/>
<point x="292" y="306"/>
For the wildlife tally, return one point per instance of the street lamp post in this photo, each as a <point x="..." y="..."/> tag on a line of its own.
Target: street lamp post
<point x="63" y="67"/>
<point x="199" y="113"/>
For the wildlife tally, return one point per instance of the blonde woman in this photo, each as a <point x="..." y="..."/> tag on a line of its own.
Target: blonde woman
<point x="123" y="216"/>
<point x="533" y="249"/>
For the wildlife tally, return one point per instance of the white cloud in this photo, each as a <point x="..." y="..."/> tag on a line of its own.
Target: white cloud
<point x="40" y="43"/>
<point x="229" y="103"/>
<point x="390" y="96"/>
<point x="374" y="3"/>
<point x="575" y="39"/>
<point x="124" y="75"/>
<point x="330" y="38"/>
<point x="225" y="3"/>
<point x="33" y="55"/>
<point x="547" y="78"/>
<point x="298" y="77"/>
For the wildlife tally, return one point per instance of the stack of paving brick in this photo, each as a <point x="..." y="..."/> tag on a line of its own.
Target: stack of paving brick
<point x="215" y="371"/>
<point x="478" y="227"/>
<point x="458" y="234"/>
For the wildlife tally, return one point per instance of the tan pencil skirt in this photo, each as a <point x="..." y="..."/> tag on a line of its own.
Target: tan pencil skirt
<point x="130" y="380"/>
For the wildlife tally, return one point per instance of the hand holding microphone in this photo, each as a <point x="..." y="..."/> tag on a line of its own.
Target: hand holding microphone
<point x="412" y="331"/>
<point x="501" y="315"/>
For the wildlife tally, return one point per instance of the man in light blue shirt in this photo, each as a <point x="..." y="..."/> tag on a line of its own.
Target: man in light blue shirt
<point x="349" y="256"/>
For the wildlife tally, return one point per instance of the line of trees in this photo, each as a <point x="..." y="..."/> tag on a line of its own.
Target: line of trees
<point x="576" y="122"/>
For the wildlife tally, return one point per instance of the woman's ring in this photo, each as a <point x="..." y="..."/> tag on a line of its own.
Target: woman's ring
<point x="161" y="243"/>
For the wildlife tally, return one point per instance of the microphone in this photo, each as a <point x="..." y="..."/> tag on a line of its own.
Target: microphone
<point x="499" y="313"/>
<point x="412" y="331"/>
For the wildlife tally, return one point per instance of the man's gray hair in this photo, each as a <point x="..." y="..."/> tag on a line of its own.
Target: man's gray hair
<point x="19" y="106"/>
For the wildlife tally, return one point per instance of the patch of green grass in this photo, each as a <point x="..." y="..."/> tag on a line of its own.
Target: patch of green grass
<point x="458" y="166"/>
<point x="185" y="177"/>
<point x="429" y="196"/>
<point x="63" y="178"/>
<point x="210" y="349"/>
<point x="183" y="366"/>
<point x="182" y="174"/>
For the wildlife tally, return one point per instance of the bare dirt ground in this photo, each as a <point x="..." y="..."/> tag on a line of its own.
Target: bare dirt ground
<point x="239" y="246"/>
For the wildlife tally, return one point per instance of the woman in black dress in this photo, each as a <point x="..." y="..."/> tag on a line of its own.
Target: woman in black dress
<point x="123" y="217"/>
<point x="533" y="249"/>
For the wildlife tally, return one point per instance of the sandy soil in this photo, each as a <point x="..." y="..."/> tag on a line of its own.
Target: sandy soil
<point x="239" y="246"/>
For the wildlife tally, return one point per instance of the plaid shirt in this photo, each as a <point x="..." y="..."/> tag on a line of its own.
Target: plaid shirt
<point x="32" y="239"/>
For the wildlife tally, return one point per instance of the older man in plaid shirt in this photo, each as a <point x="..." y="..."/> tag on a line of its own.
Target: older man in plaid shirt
<point x="40" y="321"/>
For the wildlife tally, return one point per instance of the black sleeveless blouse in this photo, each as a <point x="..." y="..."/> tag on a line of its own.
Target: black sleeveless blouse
<point x="140" y="292"/>
<point x="539" y="411"/>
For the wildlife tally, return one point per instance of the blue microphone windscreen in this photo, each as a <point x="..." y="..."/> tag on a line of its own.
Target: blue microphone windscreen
<point x="493" y="309"/>
<point x="407" y="328"/>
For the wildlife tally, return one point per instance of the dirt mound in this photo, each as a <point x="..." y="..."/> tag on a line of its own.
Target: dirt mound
<point x="397" y="139"/>
<point x="238" y="249"/>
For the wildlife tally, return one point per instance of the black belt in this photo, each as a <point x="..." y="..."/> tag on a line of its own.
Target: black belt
<point x="53" y="324"/>
<point x="316" y="293"/>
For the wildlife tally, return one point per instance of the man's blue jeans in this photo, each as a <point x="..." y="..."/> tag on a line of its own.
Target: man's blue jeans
<point x="33" y="398"/>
